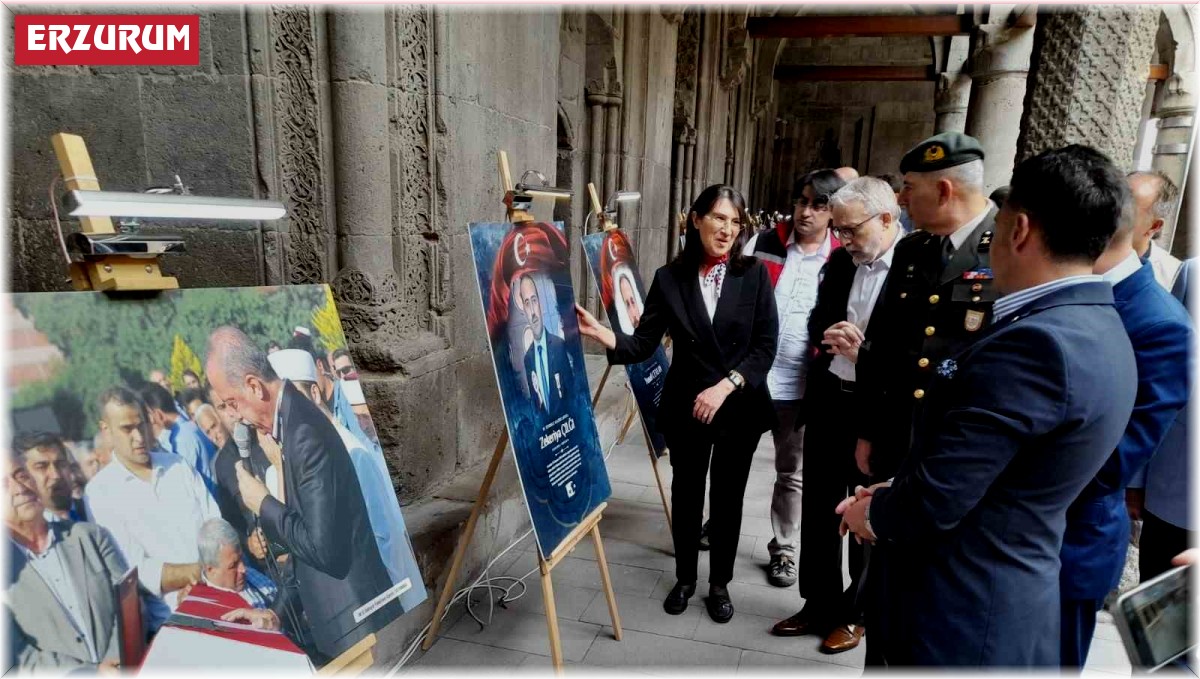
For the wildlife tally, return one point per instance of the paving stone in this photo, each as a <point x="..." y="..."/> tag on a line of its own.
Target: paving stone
<point x="528" y="633"/>
<point x="647" y="651"/>
<point x="569" y="602"/>
<point x="455" y="653"/>
<point x="1108" y="656"/>
<point x="752" y="632"/>
<point x="645" y="614"/>
<point x="757" y="662"/>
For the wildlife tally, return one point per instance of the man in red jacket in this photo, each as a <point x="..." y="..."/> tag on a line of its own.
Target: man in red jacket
<point x="795" y="255"/>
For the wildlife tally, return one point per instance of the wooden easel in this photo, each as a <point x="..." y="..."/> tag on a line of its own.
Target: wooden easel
<point x="119" y="273"/>
<point x="590" y="525"/>
<point x="607" y="225"/>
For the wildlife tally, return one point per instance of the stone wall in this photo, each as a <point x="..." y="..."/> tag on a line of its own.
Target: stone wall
<point x="868" y="125"/>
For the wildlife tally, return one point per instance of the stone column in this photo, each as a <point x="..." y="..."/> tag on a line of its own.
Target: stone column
<point x="953" y="88"/>
<point x="612" y="144"/>
<point x="1000" y="66"/>
<point x="1176" y="113"/>
<point x="596" y="167"/>
<point x="689" y="168"/>
<point x="677" y="174"/>
<point x="1087" y="80"/>
<point x="366" y="284"/>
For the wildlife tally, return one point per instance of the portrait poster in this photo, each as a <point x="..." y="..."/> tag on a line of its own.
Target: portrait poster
<point x="128" y="388"/>
<point x="529" y="310"/>
<point x="610" y="255"/>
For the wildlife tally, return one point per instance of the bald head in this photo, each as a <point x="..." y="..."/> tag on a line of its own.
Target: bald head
<point x="847" y="173"/>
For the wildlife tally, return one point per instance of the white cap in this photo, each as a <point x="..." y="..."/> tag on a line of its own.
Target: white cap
<point x="301" y="330"/>
<point x="354" y="392"/>
<point x="296" y="365"/>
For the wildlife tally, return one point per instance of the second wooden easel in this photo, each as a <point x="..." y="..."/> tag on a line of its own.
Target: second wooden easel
<point x="608" y="225"/>
<point x="588" y="526"/>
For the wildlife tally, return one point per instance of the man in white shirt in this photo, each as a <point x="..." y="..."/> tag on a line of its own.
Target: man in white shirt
<point x="865" y="219"/>
<point x="794" y="255"/>
<point x="1155" y="199"/>
<point x="152" y="503"/>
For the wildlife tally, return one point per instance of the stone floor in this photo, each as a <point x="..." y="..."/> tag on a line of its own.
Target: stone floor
<point x="638" y="548"/>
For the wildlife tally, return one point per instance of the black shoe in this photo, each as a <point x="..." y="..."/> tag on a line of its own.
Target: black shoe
<point x="704" y="544"/>
<point x="720" y="608"/>
<point x="677" y="600"/>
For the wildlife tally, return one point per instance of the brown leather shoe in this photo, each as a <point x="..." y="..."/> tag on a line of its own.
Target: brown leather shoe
<point x="795" y="626"/>
<point x="843" y="638"/>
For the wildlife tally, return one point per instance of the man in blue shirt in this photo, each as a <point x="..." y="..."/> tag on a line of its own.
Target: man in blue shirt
<point x="178" y="435"/>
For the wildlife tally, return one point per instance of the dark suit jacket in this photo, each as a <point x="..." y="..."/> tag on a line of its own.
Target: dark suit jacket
<point x="1015" y="426"/>
<point x="833" y="296"/>
<point x="558" y="365"/>
<point x="1167" y="476"/>
<point x="229" y="499"/>
<point x="324" y="526"/>
<point x="741" y="336"/>
<point x="42" y="637"/>
<point x="1094" y="547"/>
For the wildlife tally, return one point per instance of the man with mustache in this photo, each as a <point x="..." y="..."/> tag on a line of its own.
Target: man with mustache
<point x="48" y="463"/>
<point x="59" y="597"/>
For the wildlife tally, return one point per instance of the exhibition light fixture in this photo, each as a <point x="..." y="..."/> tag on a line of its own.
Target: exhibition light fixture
<point x="621" y="197"/>
<point x="81" y="203"/>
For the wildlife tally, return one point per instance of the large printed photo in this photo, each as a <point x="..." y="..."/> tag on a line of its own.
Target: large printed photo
<point x="528" y="305"/>
<point x="610" y="255"/>
<point x="218" y="442"/>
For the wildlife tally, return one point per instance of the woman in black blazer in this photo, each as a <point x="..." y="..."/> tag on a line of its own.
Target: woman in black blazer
<point x="720" y="311"/>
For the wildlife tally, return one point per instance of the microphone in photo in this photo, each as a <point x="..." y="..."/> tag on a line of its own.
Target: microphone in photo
<point x="241" y="438"/>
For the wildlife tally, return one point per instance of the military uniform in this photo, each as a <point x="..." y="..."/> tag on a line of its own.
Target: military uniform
<point x="927" y="311"/>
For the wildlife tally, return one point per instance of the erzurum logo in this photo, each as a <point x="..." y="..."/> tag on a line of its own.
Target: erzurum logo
<point x="107" y="40"/>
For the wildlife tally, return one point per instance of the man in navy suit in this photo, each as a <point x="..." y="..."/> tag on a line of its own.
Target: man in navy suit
<point x="1159" y="494"/>
<point x="1094" y="547"/>
<point x="547" y="365"/>
<point x="1013" y="427"/>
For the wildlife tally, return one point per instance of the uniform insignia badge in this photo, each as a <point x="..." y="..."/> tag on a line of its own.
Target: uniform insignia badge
<point x="947" y="368"/>
<point x="986" y="238"/>
<point x="978" y="275"/>
<point x="934" y="153"/>
<point x="974" y="321"/>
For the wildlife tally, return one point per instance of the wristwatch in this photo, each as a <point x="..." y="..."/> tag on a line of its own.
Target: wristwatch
<point x="736" y="379"/>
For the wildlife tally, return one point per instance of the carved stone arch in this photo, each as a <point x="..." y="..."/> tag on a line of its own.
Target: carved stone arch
<point x="769" y="52"/>
<point x="1183" y="59"/>
<point x="566" y="130"/>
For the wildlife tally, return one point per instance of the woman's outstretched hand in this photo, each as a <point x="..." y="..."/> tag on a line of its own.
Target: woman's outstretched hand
<point x="590" y="327"/>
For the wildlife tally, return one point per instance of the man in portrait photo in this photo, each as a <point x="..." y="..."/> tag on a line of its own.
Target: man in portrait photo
<point x="548" y="369"/>
<point x="629" y="303"/>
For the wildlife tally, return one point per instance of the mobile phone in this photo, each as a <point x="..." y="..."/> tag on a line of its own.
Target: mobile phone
<point x="1154" y="619"/>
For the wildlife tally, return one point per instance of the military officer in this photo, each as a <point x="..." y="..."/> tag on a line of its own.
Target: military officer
<point x="938" y="295"/>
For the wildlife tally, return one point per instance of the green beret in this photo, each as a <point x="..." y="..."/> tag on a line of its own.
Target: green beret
<point x="940" y="152"/>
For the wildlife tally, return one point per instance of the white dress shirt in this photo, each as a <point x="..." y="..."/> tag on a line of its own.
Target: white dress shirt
<point x="154" y="522"/>
<point x="1125" y="269"/>
<point x="1166" y="266"/>
<point x="864" y="292"/>
<point x="708" y="292"/>
<point x="795" y="297"/>
<point x="52" y="569"/>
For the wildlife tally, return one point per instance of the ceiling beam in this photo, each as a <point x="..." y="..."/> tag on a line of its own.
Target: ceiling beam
<point x="853" y="73"/>
<point x="816" y="26"/>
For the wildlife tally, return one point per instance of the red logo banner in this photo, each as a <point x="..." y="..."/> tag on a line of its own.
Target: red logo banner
<point x="106" y="40"/>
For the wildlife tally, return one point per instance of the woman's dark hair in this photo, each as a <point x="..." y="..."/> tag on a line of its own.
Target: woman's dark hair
<point x="693" y="250"/>
<point x="824" y="184"/>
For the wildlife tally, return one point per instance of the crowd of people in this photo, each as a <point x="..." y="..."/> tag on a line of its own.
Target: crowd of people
<point x="982" y="390"/>
<point x="194" y="489"/>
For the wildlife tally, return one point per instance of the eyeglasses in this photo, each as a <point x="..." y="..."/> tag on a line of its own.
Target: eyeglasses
<point x="848" y="232"/>
<point x="722" y="221"/>
<point x="815" y="206"/>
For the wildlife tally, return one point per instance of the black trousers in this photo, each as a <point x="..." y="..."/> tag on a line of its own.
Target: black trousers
<point x="830" y="476"/>
<point x="1160" y="543"/>
<point x="731" y="455"/>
